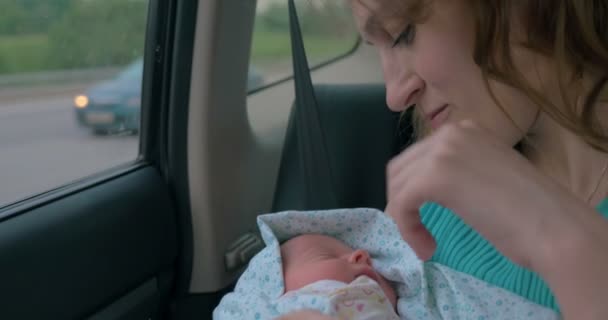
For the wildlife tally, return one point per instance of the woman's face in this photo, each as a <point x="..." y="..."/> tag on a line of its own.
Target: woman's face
<point x="431" y="65"/>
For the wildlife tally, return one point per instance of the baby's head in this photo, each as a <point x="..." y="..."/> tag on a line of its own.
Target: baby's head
<point x="312" y="257"/>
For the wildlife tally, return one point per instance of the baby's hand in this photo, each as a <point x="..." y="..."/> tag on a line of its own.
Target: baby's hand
<point x="306" y="315"/>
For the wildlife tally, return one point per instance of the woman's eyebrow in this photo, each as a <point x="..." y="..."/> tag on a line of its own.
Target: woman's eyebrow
<point x="371" y="26"/>
<point x="370" y="31"/>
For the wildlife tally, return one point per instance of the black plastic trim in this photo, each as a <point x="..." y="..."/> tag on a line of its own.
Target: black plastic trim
<point x="65" y="191"/>
<point x="139" y="303"/>
<point x="176" y="147"/>
<point x="74" y="256"/>
<point x="156" y="71"/>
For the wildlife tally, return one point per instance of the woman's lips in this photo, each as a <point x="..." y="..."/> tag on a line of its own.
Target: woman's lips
<point x="438" y="116"/>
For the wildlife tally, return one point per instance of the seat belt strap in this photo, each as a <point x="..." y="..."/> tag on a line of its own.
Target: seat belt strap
<point x="312" y="147"/>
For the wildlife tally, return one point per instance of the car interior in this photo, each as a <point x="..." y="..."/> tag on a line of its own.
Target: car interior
<point x="167" y="235"/>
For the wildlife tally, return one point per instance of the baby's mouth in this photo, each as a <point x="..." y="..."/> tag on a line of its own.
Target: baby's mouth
<point x="369" y="273"/>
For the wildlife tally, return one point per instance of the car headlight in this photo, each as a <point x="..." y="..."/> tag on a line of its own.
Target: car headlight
<point x="81" y="101"/>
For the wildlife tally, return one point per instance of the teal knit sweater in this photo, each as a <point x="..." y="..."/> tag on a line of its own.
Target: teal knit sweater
<point x="463" y="249"/>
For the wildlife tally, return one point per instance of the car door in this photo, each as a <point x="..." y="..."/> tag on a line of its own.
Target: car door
<point x="88" y="222"/>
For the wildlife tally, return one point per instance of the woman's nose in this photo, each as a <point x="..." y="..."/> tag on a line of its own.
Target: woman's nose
<point x="403" y="84"/>
<point x="360" y="256"/>
<point x="402" y="93"/>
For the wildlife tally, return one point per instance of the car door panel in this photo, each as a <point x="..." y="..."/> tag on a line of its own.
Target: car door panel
<point x="75" y="256"/>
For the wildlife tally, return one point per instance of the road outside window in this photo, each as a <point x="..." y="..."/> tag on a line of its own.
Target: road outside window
<point x="70" y="90"/>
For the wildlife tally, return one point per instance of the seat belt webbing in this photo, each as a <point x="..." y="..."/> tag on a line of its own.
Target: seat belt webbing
<point x="314" y="160"/>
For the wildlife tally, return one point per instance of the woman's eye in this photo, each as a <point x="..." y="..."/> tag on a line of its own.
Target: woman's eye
<point x="407" y="36"/>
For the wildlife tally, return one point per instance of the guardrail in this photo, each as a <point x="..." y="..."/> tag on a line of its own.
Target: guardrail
<point x="39" y="85"/>
<point x="60" y="76"/>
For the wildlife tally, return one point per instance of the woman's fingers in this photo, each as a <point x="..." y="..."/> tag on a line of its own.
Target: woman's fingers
<point x="435" y="169"/>
<point x="400" y="169"/>
<point x="463" y="168"/>
<point x="422" y="173"/>
<point x="403" y="207"/>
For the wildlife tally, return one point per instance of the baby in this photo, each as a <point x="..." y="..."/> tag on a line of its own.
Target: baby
<point x="301" y="269"/>
<point x="355" y="290"/>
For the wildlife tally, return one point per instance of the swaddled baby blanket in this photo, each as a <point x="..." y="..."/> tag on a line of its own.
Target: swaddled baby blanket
<point x="425" y="290"/>
<point x="362" y="299"/>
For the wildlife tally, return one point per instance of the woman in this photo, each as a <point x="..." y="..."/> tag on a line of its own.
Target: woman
<point x="511" y="108"/>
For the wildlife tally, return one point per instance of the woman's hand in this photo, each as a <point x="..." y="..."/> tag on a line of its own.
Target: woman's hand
<point x="306" y="315"/>
<point x="525" y="214"/>
<point x="487" y="183"/>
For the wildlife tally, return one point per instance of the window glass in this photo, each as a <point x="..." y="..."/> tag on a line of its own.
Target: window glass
<point x="328" y="31"/>
<point x="70" y="90"/>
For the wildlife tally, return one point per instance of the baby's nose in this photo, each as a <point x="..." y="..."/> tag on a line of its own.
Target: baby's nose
<point x="360" y="256"/>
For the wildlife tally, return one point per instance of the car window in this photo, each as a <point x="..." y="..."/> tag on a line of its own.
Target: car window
<point x="70" y="90"/>
<point x="327" y="28"/>
<point x="133" y="71"/>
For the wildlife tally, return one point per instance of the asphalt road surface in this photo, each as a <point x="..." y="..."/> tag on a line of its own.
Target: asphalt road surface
<point x="42" y="147"/>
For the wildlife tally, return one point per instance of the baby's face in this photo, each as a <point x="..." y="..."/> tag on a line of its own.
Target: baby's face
<point x="311" y="258"/>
